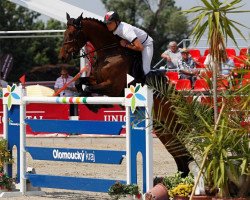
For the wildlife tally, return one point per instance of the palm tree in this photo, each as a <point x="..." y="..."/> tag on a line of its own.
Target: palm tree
<point x="212" y="17"/>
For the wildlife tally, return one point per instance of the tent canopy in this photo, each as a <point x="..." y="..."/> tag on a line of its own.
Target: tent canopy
<point x="55" y="9"/>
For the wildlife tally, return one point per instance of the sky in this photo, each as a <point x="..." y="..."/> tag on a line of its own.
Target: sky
<point x="97" y="7"/>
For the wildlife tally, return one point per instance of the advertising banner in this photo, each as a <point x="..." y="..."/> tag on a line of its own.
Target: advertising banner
<point x="6" y="65"/>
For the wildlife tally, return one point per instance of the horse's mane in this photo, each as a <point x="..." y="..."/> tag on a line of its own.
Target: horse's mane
<point x="94" y="19"/>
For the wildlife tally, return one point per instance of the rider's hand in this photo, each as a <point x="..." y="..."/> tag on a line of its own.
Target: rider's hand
<point x="123" y="43"/>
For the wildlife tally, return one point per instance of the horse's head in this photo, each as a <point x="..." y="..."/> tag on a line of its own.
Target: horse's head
<point x="74" y="40"/>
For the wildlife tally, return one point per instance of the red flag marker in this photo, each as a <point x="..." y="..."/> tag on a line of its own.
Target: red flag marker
<point x="22" y="79"/>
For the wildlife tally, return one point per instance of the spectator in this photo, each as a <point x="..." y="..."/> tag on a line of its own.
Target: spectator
<point x="172" y="55"/>
<point x="62" y="80"/>
<point x="187" y="67"/>
<point x="132" y="38"/>
<point x="3" y="83"/>
<point x="69" y="91"/>
<point x="226" y="67"/>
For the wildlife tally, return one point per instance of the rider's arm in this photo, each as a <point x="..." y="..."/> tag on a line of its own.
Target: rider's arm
<point x="136" y="45"/>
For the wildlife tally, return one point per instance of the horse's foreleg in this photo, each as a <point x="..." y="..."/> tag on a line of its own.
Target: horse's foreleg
<point x="88" y="81"/>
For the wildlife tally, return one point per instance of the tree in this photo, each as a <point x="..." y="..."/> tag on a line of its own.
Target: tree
<point x="163" y="24"/>
<point x="28" y="52"/>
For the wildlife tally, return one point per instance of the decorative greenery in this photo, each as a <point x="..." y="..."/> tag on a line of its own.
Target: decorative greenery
<point x="5" y="155"/>
<point x="119" y="190"/>
<point x="5" y="181"/>
<point x="177" y="185"/>
<point x="5" y="158"/>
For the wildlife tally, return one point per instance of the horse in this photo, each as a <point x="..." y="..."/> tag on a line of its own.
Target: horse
<point x="109" y="74"/>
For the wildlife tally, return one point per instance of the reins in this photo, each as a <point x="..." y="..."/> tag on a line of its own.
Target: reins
<point x="110" y="46"/>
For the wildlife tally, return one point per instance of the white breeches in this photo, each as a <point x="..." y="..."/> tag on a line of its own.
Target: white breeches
<point x="147" y="55"/>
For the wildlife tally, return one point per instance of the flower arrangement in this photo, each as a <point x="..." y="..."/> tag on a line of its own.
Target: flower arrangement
<point x="183" y="190"/>
<point x="119" y="190"/>
<point x="178" y="186"/>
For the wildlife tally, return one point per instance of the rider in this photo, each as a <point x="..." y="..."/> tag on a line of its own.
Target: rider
<point x="132" y="38"/>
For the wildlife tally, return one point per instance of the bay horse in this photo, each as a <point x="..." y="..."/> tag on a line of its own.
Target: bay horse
<point x="108" y="76"/>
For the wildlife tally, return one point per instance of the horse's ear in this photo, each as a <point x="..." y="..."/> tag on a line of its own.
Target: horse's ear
<point x="67" y="16"/>
<point x="78" y="20"/>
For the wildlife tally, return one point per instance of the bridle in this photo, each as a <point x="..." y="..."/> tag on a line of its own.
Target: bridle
<point x="75" y="39"/>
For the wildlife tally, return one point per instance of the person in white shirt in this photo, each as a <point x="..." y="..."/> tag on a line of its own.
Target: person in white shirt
<point x="61" y="81"/>
<point x="172" y="55"/>
<point x="226" y="66"/>
<point x="132" y="38"/>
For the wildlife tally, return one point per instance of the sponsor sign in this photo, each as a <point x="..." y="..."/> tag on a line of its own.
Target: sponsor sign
<point x="76" y="155"/>
<point x="6" y="65"/>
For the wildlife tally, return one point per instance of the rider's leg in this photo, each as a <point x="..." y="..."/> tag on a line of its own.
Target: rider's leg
<point x="147" y="55"/>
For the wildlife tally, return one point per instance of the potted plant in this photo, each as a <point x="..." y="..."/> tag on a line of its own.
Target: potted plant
<point x="171" y="186"/>
<point x="124" y="191"/>
<point x="181" y="191"/>
<point x="179" y="187"/>
<point x="6" y="182"/>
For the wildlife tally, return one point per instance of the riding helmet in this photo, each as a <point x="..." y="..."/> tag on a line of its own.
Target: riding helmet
<point x="111" y="16"/>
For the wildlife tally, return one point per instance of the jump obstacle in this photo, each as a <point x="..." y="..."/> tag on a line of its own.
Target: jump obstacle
<point x="138" y="139"/>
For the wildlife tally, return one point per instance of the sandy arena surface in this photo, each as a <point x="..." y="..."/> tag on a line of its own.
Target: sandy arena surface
<point x="163" y="164"/>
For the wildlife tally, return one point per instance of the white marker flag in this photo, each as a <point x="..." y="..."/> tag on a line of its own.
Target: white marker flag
<point x="129" y="79"/>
